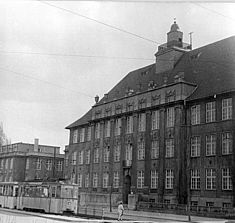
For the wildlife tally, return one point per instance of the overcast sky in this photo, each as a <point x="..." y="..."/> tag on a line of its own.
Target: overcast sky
<point x="54" y="60"/>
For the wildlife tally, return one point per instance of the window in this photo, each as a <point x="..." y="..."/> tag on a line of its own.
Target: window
<point x="209" y="204"/>
<point x="210" y="179"/>
<point x="59" y="165"/>
<point x="170" y="117"/>
<point x="117" y="127"/>
<point x="73" y="178"/>
<point x="227" y="143"/>
<point x="226" y="179"/>
<point x="154" y="179"/>
<point x="27" y="164"/>
<point x="87" y="178"/>
<point x="10" y="178"/>
<point x="11" y="163"/>
<point x="6" y="164"/>
<point x="210" y="112"/>
<point x="80" y="157"/>
<point x="79" y="180"/>
<point x="210" y="145"/>
<point x="88" y="155"/>
<point x="155" y="149"/>
<point x="141" y="150"/>
<point x="96" y="155"/>
<point x="195" y="179"/>
<point x="140" y="179"/>
<point x="129" y="124"/>
<point x="169" y="148"/>
<point x="169" y="179"/>
<point x="107" y="129"/>
<point x="66" y="160"/>
<point x="195" y="146"/>
<point x="141" y="122"/>
<point x="226" y="108"/>
<point x="53" y="191"/>
<point x="105" y="179"/>
<point x="49" y="164"/>
<point x="155" y="119"/>
<point x="117" y="150"/>
<point x="167" y="201"/>
<point x="195" y="115"/>
<point x="129" y="152"/>
<point x="194" y="203"/>
<point x="106" y="154"/>
<point x="75" y="136"/>
<point x="38" y="164"/>
<point x="95" y="180"/>
<point x="226" y="205"/>
<point x="89" y="133"/>
<point x="115" y="179"/>
<point x="82" y="135"/>
<point x="97" y="130"/>
<point x="74" y="158"/>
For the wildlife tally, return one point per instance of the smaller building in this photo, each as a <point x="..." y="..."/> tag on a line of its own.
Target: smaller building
<point x="26" y="162"/>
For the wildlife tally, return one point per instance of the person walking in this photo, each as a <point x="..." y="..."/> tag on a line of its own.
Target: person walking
<point x="120" y="211"/>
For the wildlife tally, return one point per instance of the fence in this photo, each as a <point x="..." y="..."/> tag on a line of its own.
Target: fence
<point x="185" y="210"/>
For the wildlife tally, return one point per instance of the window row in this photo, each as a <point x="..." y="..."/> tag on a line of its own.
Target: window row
<point x="48" y="165"/>
<point x="79" y="135"/>
<point x="169" y="177"/>
<point x="95" y="178"/>
<point x="210" y="111"/>
<point x="211" y="179"/>
<point x="211" y="143"/>
<point x="6" y="163"/>
<point x="195" y="184"/>
<point x="78" y="157"/>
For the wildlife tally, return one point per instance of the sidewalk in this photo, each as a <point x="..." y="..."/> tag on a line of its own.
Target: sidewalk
<point x="129" y="216"/>
<point x="156" y="216"/>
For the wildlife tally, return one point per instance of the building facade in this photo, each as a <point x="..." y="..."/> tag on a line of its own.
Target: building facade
<point x="28" y="162"/>
<point x="165" y="132"/>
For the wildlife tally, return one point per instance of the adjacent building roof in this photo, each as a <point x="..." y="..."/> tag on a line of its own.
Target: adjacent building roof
<point x="211" y="68"/>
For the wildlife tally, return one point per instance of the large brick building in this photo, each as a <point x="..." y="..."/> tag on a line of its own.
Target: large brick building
<point x="164" y="132"/>
<point x="28" y="162"/>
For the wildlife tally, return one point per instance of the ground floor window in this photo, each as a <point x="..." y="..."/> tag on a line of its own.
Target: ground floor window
<point x="194" y="203"/>
<point x="210" y="204"/>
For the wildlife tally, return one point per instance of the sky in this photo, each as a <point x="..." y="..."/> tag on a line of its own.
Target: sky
<point x="56" y="56"/>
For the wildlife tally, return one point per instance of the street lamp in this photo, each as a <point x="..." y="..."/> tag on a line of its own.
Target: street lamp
<point x="110" y="198"/>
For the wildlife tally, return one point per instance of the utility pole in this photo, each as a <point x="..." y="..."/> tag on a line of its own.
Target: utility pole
<point x="53" y="169"/>
<point x="191" y="39"/>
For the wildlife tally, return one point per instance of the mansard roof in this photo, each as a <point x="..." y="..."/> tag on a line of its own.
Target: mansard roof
<point x="84" y="120"/>
<point x="210" y="67"/>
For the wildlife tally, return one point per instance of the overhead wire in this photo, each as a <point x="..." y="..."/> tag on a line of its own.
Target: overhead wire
<point x="43" y="81"/>
<point x="108" y="57"/>
<point x="73" y="55"/>
<point x="92" y="56"/>
<point x="97" y="21"/>
<point x="213" y="11"/>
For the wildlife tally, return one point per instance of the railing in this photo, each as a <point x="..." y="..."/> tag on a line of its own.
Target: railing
<point x="185" y="210"/>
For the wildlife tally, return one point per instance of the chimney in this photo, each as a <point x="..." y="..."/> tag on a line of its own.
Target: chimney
<point x="96" y="99"/>
<point x="35" y="147"/>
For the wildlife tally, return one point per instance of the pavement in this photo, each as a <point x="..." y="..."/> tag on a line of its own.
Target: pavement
<point x="129" y="216"/>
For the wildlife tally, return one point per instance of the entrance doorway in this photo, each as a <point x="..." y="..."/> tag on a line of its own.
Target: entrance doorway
<point x="127" y="188"/>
